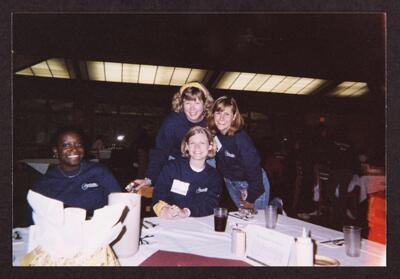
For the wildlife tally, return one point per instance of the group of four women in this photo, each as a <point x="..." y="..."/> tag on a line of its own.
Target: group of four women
<point x="181" y="165"/>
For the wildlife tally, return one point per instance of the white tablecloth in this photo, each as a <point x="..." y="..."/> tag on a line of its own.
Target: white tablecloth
<point x="197" y="236"/>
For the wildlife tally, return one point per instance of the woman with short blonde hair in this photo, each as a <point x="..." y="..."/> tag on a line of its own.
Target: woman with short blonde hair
<point x="192" y="91"/>
<point x="194" y="131"/>
<point x="200" y="185"/>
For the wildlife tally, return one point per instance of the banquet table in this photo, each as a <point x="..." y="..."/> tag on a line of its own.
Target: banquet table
<point x="196" y="236"/>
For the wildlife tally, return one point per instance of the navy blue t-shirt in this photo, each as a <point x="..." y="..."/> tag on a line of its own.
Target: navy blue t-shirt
<point x="168" y="142"/>
<point x="203" y="193"/>
<point x="238" y="160"/>
<point x="88" y="190"/>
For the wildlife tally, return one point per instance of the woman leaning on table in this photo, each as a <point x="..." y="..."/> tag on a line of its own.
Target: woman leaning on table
<point x="190" y="107"/>
<point x="237" y="158"/>
<point x="75" y="181"/>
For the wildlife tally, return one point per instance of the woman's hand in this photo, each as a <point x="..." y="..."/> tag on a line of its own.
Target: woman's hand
<point x="137" y="184"/>
<point x="173" y="212"/>
<point x="249" y="206"/>
<point x="168" y="212"/>
<point x="182" y="212"/>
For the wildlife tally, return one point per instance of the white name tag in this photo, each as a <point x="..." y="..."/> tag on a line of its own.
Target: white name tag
<point x="218" y="144"/>
<point x="180" y="187"/>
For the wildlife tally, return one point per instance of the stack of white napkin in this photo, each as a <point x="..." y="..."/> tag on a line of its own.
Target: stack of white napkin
<point x="65" y="232"/>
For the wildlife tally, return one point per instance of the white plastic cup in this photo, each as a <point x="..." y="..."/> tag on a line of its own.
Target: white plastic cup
<point x="271" y="216"/>
<point x="352" y="240"/>
<point x="127" y="243"/>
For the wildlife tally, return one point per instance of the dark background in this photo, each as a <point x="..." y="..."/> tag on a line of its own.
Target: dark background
<point x="392" y="129"/>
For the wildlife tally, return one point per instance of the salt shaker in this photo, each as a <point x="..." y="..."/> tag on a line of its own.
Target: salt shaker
<point x="304" y="250"/>
<point x="238" y="244"/>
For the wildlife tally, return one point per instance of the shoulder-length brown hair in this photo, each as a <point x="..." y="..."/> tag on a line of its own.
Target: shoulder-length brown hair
<point x="192" y="91"/>
<point x="198" y="130"/>
<point x="219" y="105"/>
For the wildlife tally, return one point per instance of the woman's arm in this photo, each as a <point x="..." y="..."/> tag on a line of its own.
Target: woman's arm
<point x="158" y="156"/>
<point x="163" y="186"/>
<point x="252" y="168"/>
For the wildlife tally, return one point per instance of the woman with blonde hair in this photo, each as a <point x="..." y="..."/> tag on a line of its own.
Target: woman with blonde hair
<point x="190" y="106"/>
<point x="237" y="158"/>
<point x="189" y="186"/>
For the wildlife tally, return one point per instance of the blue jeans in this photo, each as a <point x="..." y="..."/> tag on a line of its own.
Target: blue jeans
<point x="234" y="188"/>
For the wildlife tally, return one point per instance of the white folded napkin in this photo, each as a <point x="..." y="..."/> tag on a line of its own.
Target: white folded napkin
<point x="65" y="233"/>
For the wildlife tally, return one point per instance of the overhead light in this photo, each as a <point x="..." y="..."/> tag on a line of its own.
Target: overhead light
<point x="58" y="68"/>
<point x="25" y="72"/>
<point x="95" y="70"/>
<point x="271" y="82"/>
<point x="143" y="74"/>
<point x="256" y="82"/>
<point x="53" y="68"/>
<point x="349" y="89"/>
<point x="130" y="73"/>
<point x="268" y="83"/>
<point x="113" y="71"/>
<point x="147" y="74"/>
<point x="164" y="75"/>
<point x="242" y="81"/>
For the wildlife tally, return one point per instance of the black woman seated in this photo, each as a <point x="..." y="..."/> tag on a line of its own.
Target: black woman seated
<point x="75" y="181"/>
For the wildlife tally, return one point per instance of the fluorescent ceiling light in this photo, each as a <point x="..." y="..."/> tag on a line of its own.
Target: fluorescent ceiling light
<point x="147" y="74"/>
<point x="164" y="75"/>
<point x="143" y="74"/>
<point x="130" y="73"/>
<point x="256" y="82"/>
<point x="179" y="75"/>
<point x="196" y="75"/>
<point x="350" y="89"/>
<point x="95" y="70"/>
<point x="113" y="71"/>
<point x="58" y="68"/>
<point x="54" y="68"/>
<point x="268" y="83"/>
<point x="25" y="72"/>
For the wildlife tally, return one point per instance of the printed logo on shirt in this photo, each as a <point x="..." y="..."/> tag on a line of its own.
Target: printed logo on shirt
<point x="180" y="187"/>
<point x="86" y="186"/>
<point x="201" y="190"/>
<point x="231" y="155"/>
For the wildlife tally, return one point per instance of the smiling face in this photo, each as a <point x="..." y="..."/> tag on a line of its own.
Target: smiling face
<point x="198" y="147"/>
<point x="193" y="109"/>
<point x="69" y="151"/>
<point x="223" y="119"/>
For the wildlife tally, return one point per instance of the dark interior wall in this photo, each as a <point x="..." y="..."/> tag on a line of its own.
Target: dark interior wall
<point x="41" y="105"/>
<point x="33" y="127"/>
